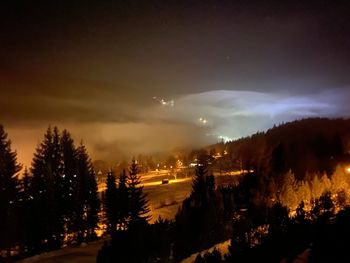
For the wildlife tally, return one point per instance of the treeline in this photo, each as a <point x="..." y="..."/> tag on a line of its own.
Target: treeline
<point x="294" y="203"/>
<point x="125" y="204"/>
<point x="293" y="177"/>
<point x="53" y="203"/>
<point x="308" y="145"/>
<point x="133" y="238"/>
<point x="56" y="200"/>
<point x="293" y="191"/>
<point x="256" y="212"/>
<point x="262" y="233"/>
<point x="259" y="231"/>
<point x="202" y="221"/>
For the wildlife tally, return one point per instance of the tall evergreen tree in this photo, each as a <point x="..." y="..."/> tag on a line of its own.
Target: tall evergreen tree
<point x="197" y="221"/>
<point x="110" y="202"/>
<point x="122" y="201"/>
<point x="88" y="202"/>
<point x="47" y="168"/>
<point x="64" y="191"/>
<point x="24" y="212"/>
<point x="199" y="192"/>
<point x="68" y="182"/>
<point x="138" y="207"/>
<point x="25" y="182"/>
<point x="94" y="205"/>
<point x="9" y="169"/>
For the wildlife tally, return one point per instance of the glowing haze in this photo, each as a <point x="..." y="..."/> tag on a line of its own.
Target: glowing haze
<point x="147" y="77"/>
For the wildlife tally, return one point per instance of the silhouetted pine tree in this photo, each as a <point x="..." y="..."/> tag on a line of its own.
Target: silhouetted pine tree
<point x="122" y="201"/>
<point x="134" y="240"/>
<point x="24" y="213"/>
<point x="110" y="202"/>
<point x="211" y="183"/>
<point x="94" y="206"/>
<point x="88" y="202"/>
<point x="278" y="163"/>
<point x="47" y="168"/>
<point x="197" y="221"/>
<point x="8" y="192"/>
<point x="25" y="182"/>
<point x="138" y="207"/>
<point x="199" y="192"/>
<point x="68" y="182"/>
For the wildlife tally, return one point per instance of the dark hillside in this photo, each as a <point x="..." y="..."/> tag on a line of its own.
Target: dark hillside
<point x="313" y="145"/>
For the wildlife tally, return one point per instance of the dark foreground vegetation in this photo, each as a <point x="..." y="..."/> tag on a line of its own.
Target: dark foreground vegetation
<point x="258" y="232"/>
<point x="292" y="201"/>
<point x="319" y="236"/>
<point x="54" y="203"/>
<point x="260" y="215"/>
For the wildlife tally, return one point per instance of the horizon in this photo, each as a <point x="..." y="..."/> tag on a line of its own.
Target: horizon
<point x="185" y="149"/>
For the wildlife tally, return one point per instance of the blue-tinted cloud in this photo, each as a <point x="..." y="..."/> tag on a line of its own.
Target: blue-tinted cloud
<point x="239" y="113"/>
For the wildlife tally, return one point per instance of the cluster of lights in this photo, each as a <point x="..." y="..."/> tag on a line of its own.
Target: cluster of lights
<point x="203" y="121"/>
<point x="163" y="102"/>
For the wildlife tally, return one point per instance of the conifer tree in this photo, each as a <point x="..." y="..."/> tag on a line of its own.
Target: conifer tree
<point x="47" y="171"/>
<point x="63" y="190"/>
<point x="88" y="202"/>
<point x="110" y="202"/>
<point x="122" y="201"/>
<point x="94" y="205"/>
<point x="9" y="169"/>
<point x="138" y="207"/>
<point x="68" y="182"/>
<point x="198" y="216"/>
<point x="25" y="183"/>
<point x="199" y="193"/>
<point x="24" y="211"/>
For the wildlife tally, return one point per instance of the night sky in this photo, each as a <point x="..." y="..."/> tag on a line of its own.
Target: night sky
<point x="94" y="67"/>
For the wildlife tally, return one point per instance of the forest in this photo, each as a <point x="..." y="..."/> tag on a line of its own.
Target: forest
<point x="55" y="202"/>
<point x="291" y="201"/>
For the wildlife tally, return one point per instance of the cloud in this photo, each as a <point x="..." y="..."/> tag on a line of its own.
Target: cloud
<point x="125" y="128"/>
<point x="30" y="99"/>
<point x="234" y="114"/>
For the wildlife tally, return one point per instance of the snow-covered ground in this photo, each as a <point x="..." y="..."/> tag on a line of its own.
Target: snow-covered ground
<point x="165" y="199"/>
<point x="222" y="247"/>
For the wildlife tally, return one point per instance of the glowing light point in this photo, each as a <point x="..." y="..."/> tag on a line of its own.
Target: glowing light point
<point x="164" y="102"/>
<point x="202" y="121"/>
